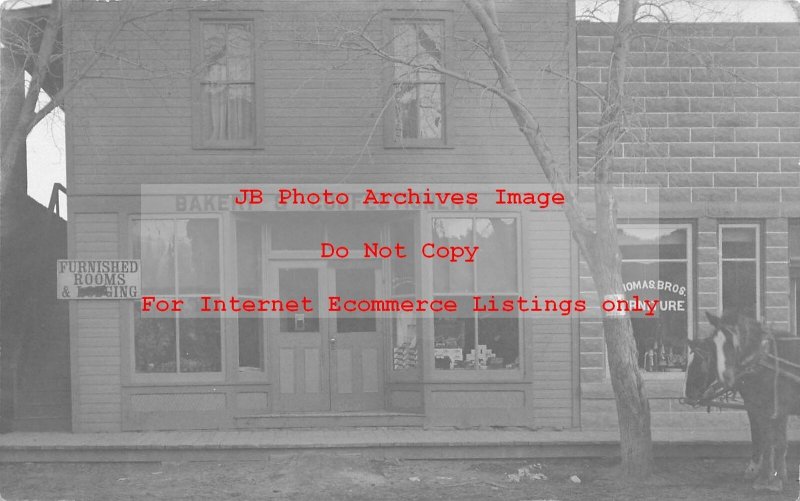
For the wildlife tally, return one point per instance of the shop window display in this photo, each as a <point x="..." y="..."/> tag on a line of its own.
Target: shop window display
<point x="794" y="274"/>
<point x="405" y="333"/>
<point x="656" y="265"/>
<point x="180" y="258"/>
<point x="468" y="340"/>
<point x="248" y="278"/>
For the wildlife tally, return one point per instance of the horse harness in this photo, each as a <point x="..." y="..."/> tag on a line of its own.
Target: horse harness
<point x="766" y="357"/>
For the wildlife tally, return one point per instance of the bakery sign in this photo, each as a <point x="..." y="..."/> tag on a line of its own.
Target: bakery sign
<point x="99" y="278"/>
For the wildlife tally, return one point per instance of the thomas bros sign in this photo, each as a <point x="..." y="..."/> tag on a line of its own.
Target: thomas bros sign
<point x="99" y="279"/>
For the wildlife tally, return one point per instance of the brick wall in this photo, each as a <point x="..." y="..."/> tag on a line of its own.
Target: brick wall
<point x="714" y="137"/>
<point x="716" y="111"/>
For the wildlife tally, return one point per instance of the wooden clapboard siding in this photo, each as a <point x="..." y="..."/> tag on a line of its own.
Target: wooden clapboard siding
<point x="130" y="126"/>
<point x="133" y="126"/>
<point x="547" y="264"/>
<point x="96" y="353"/>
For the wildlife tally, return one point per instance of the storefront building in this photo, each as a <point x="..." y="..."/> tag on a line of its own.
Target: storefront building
<point x="158" y="151"/>
<point x="245" y="98"/>
<point x="711" y="177"/>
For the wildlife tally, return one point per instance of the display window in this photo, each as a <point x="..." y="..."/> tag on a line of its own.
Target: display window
<point x="180" y="258"/>
<point x="405" y="331"/>
<point x="795" y="300"/>
<point x="656" y="264"/>
<point x="466" y="339"/>
<point x="794" y="275"/>
<point x="249" y="272"/>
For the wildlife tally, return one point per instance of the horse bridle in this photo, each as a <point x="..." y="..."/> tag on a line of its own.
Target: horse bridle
<point x="713" y="391"/>
<point x="750" y="362"/>
<point x="717" y="388"/>
<point x="767" y="349"/>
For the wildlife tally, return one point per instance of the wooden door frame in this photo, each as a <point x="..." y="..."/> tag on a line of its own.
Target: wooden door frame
<point x="272" y="331"/>
<point x="380" y="330"/>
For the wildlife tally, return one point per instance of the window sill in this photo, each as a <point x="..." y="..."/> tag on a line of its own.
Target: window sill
<point x="474" y="377"/>
<point x="663" y="376"/>
<point x="228" y="148"/>
<point x="418" y="146"/>
<point x="171" y="379"/>
<point x="165" y="386"/>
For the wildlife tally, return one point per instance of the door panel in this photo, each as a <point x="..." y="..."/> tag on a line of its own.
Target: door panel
<point x="322" y="362"/>
<point x="298" y="341"/>
<point x="356" y="364"/>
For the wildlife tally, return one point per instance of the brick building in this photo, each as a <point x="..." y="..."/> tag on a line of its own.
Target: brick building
<point x="711" y="170"/>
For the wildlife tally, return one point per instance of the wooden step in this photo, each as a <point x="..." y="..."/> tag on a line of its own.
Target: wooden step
<point x="694" y="420"/>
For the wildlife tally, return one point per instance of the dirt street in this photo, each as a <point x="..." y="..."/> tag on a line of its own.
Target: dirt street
<point x="327" y="477"/>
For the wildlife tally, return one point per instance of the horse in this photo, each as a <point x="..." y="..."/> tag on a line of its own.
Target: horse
<point x="764" y="366"/>
<point x="702" y="386"/>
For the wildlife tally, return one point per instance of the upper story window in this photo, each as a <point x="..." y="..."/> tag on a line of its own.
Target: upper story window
<point x="416" y="113"/>
<point x="225" y="85"/>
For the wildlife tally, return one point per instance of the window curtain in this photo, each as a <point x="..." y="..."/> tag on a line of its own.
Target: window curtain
<point x="228" y="86"/>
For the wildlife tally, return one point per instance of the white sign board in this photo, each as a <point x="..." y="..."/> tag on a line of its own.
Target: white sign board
<point x="99" y="278"/>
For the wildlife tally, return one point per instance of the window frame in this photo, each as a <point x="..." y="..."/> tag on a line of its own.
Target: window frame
<point x="758" y="257"/>
<point x="794" y="275"/>
<point x="399" y="371"/>
<point x="390" y="141"/>
<point x="794" y="300"/>
<point x="197" y="20"/>
<point x="242" y="374"/>
<point x="691" y="291"/>
<point x="178" y="377"/>
<point x="488" y="375"/>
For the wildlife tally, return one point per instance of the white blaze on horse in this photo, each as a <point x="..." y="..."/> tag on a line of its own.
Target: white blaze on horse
<point x="764" y="367"/>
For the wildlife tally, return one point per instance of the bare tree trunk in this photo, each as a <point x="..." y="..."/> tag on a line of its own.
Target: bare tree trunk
<point x="599" y="247"/>
<point x="633" y="409"/>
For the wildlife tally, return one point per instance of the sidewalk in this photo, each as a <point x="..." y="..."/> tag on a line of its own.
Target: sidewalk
<point x="408" y="443"/>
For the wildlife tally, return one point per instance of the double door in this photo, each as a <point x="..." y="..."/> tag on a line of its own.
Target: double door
<point x="321" y="360"/>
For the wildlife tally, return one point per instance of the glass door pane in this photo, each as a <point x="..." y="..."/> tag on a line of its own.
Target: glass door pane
<point x="297" y="340"/>
<point x="356" y="343"/>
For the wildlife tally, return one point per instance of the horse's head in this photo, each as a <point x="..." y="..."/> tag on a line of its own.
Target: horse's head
<point x="701" y="371"/>
<point x="735" y="338"/>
